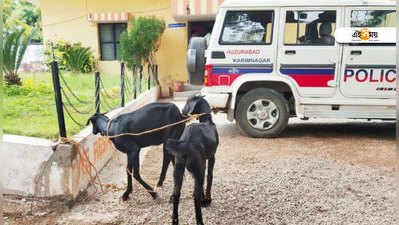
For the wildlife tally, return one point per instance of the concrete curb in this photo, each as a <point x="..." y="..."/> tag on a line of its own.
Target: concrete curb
<point x="32" y="168"/>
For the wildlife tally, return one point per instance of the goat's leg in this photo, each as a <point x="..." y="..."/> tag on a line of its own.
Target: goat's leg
<point x="198" y="196"/>
<point x="208" y="199"/>
<point x="165" y="164"/>
<point x="178" y="174"/>
<point x="136" y="174"/>
<point x="129" y="189"/>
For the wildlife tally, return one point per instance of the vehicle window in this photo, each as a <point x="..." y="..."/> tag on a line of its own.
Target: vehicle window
<point x="247" y="27"/>
<point x="310" y="27"/>
<point x="373" y="18"/>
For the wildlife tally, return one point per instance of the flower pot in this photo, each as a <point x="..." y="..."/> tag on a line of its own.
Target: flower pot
<point x="178" y="86"/>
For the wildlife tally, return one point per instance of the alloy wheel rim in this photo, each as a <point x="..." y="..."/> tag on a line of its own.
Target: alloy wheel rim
<point x="262" y="114"/>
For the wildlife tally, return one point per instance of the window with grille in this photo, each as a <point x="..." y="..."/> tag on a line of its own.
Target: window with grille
<point x="109" y="34"/>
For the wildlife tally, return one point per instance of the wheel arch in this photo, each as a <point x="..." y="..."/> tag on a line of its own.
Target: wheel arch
<point x="251" y="81"/>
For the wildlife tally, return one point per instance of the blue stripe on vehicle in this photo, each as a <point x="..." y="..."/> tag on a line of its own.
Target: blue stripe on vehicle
<point x="308" y="71"/>
<point x="240" y="70"/>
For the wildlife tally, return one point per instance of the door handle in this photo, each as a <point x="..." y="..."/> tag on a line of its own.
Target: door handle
<point x="356" y="52"/>
<point x="290" y="52"/>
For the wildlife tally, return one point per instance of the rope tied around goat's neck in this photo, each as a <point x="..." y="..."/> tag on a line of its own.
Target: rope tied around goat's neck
<point x="190" y="117"/>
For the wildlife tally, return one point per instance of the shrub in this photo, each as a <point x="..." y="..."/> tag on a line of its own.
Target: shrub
<point x="14" y="47"/>
<point x="79" y="59"/>
<point x="29" y="87"/>
<point x="57" y="52"/>
<point x="141" y="42"/>
<point x="72" y="57"/>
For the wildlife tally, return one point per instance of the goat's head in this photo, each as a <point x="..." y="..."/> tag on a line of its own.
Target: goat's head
<point x="95" y="120"/>
<point x="196" y="104"/>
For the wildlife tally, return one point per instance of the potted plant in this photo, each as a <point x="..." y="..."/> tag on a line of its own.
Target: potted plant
<point x="178" y="86"/>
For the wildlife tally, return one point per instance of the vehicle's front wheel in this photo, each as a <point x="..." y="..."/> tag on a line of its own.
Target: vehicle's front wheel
<point x="262" y="113"/>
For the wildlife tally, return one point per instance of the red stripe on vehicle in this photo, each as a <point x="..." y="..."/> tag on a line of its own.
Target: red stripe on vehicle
<point x="313" y="80"/>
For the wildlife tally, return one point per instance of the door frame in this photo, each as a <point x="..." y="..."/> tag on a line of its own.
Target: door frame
<point x="337" y="60"/>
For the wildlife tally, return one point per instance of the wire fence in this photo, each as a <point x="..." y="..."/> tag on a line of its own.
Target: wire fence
<point x="106" y="97"/>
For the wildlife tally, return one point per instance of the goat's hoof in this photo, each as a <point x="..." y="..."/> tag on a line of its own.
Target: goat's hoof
<point x="206" y="202"/>
<point x="154" y="195"/>
<point x="160" y="184"/>
<point x="175" y="222"/>
<point x="125" y="197"/>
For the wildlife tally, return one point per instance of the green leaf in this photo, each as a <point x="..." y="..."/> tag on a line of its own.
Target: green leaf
<point x="14" y="48"/>
<point x="23" y="43"/>
<point x="141" y="42"/>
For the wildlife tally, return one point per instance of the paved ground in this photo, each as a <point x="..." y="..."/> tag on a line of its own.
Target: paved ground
<point x="318" y="172"/>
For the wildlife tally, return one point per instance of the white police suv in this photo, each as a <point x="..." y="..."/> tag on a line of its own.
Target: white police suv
<point x="267" y="61"/>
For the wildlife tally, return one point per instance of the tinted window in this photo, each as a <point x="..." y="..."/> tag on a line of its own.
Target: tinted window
<point x="310" y="27"/>
<point x="248" y="27"/>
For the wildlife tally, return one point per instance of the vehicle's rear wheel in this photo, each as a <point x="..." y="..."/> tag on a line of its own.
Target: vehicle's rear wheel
<point x="262" y="113"/>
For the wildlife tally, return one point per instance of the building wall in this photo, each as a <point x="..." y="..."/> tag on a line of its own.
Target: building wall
<point x="67" y="20"/>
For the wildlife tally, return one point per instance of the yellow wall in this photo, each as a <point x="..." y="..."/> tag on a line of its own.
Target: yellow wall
<point x="68" y="20"/>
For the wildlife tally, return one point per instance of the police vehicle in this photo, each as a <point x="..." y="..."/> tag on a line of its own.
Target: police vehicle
<point x="267" y="61"/>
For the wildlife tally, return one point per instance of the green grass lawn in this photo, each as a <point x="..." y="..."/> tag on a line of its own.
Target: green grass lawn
<point x="30" y="110"/>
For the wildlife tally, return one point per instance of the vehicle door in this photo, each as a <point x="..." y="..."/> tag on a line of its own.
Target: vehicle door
<point x="369" y="69"/>
<point x="308" y="53"/>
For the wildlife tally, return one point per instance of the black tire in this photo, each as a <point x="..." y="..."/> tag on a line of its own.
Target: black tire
<point x="196" y="61"/>
<point x="261" y="94"/>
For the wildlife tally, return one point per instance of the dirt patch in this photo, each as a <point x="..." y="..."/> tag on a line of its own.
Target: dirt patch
<point x="25" y="211"/>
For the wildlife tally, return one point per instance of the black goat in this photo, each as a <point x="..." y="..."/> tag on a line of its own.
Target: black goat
<point x="197" y="144"/>
<point x="149" y="117"/>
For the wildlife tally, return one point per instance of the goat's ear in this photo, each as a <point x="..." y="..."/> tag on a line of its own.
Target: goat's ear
<point x="192" y="106"/>
<point x="90" y="119"/>
<point x="189" y="107"/>
<point x="88" y="122"/>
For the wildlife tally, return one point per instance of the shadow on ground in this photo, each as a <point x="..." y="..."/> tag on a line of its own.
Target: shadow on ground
<point x="384" y="131"/>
